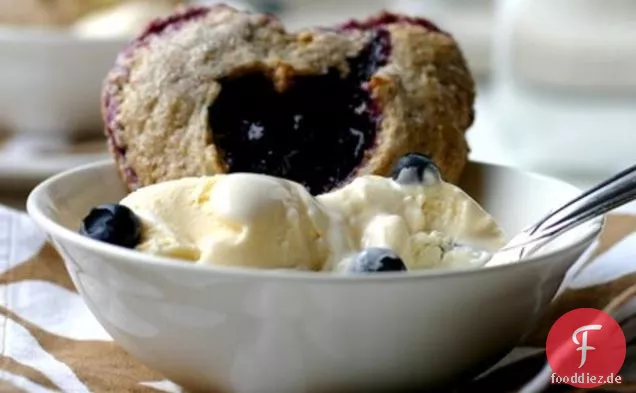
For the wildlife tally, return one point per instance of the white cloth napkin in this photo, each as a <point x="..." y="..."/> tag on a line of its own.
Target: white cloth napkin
<point x="53" y="308"/>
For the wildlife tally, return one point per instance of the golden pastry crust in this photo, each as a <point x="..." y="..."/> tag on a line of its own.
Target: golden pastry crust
<point x="428" y="94"/>
<point x="156" y="98"/>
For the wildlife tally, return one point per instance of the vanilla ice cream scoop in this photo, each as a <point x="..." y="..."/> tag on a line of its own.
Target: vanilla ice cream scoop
<point x="423" y="222"/>
<point x="412" y="220"/>
<point x="238" y="220"/>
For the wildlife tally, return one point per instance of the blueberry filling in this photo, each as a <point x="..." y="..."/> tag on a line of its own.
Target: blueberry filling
<point x="115" y="224"/>
<point x="315" y="132"/>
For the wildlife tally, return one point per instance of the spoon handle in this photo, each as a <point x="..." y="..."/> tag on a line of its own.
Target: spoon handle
<point x="608" y="189"/>
<point x="600" y="199"/>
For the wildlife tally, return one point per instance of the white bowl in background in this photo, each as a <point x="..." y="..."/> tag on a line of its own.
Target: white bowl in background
<point x="241" y="330"/>
<point x="51" y="81"/>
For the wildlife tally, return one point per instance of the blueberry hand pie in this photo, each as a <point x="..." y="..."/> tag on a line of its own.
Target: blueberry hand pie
<point x="215" y="90"/>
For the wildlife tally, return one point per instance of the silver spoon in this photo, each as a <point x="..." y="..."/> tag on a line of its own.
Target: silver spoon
<point x="598" y="200"/>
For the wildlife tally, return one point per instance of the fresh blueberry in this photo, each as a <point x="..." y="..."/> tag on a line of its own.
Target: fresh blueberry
<point x="415" y="168"/>
<point x="375" y="259"/>
<point x="115" y="224"/>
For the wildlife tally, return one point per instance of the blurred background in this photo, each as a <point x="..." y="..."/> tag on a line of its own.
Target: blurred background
<point x="556" y="78"/>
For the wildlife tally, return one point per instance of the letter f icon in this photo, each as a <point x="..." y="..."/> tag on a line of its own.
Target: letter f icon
<point x="584" y="347"/>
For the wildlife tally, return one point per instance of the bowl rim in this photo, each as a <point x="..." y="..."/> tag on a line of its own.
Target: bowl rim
<point x="55" y="230"/>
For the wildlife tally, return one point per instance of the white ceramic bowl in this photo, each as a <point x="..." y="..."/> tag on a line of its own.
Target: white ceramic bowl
<point x="240" y="330"/>
<point x="51" y="81"/>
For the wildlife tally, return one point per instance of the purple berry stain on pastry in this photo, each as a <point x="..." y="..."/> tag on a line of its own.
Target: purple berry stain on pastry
<point x="316" y="132"/>
<point x="387" y="18"/>
<point x="173" y="21"/>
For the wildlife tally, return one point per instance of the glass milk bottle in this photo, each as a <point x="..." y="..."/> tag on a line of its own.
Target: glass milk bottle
<point x="564" y="84"/>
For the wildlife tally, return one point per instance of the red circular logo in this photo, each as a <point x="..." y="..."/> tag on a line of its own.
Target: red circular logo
<point x="586" y="348"/>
